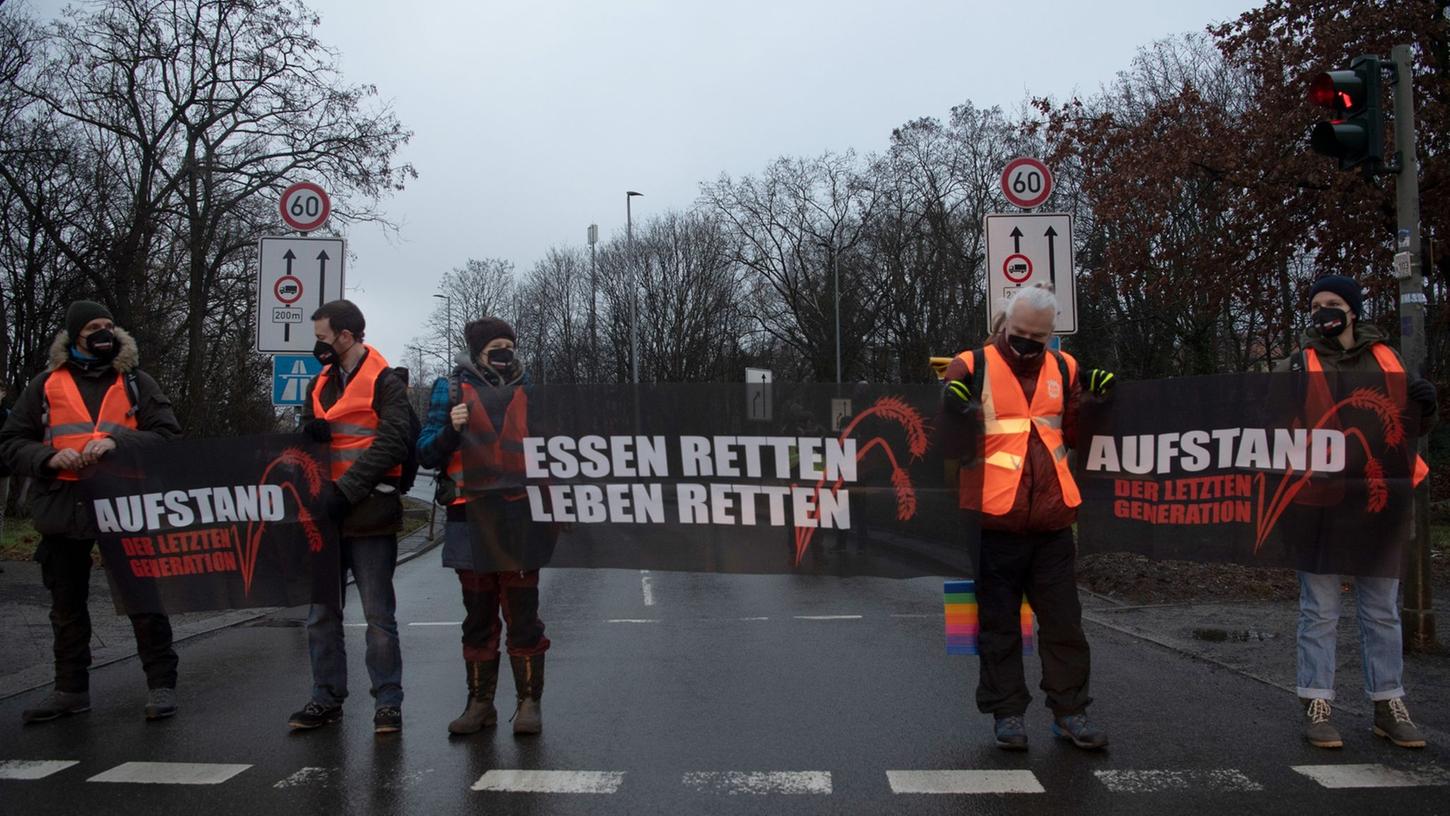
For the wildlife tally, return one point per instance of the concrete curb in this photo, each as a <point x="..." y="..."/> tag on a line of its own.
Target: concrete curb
<point x="42" y="676"/>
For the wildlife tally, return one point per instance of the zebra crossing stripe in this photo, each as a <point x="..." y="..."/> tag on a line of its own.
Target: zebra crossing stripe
<point x="964" y="782"/>
<point x="550" y="781"/>
<point x="1151" y="781"/>
<point x="308" y="776"/>
<point x="170" y="773"/>
<point x="1373" y="776"/>
<point x="759" y="782"/>
<point x="27" y="769"/>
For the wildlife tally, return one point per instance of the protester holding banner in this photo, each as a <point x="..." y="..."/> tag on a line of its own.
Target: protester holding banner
<point x="92" y="399"/>
<point x="476" y="420"/>
<point x="1018" y="487"/>
<point x="360" y="408"/>
<point x="1338" y="342"/>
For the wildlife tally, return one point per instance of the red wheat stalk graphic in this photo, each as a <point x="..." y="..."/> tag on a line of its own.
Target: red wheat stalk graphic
<point x="312" y="481"/>
<point x="899" y="411"/>
<point x="1391" y="428"/>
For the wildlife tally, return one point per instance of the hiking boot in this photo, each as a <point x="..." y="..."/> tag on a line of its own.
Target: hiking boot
<point x="160" y="703"/>
<point x="480" y="713"/>
<point x="58" y="704"/>
<point x="1317" y="728"/>
<point x="1083" y="734"/>
<point x="1392" y="721"/>
<point x="388" y="720"/>
<point x="314" y="715"/>
<point x="529" y="681"/>
<point x="1011" y="732"/>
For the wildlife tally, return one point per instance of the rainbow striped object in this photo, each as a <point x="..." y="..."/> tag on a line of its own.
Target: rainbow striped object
<point x="961" y="621"/>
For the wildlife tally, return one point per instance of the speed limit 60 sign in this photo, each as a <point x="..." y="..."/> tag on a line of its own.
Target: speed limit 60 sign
<point x="1026" y="182"/>
<point x="305" y="206"/>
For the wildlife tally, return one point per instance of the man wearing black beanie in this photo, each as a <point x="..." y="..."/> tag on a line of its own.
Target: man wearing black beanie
<point x="1338" y="341"/>
<point x="91" y="399"/>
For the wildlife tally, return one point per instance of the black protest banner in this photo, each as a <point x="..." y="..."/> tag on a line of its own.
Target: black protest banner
<point x="1264" y="469"/>
<point x="758" y="478"/>
<point x="197" y="524"/>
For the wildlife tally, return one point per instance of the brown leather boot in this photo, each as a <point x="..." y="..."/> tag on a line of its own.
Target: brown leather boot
<point x="529" y="680"/>
<point x="480" y="713"/>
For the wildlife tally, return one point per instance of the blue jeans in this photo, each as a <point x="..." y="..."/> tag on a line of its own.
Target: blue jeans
<point x="1376" y="602"/>
<point x="372" y="560"/>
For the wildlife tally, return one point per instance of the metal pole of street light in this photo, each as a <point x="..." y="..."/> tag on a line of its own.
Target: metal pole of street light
<point x="633" y="289"/>
<point x="836" y="264"/>
<point x="448" y="326"/>
<point x="593" y="302"/>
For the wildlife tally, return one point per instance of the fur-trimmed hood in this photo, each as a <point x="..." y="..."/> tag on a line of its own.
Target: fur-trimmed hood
<point x="127" y="359"/>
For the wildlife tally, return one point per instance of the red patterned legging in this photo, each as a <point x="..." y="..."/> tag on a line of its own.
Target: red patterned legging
<point x="516" y="594"/>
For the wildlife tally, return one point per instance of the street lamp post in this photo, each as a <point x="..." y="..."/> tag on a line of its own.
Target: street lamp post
<point x="448" y="341"/>
<point x="593" y="302"/>
<point x="633" y="289"/>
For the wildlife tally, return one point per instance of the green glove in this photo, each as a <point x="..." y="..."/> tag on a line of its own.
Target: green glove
<point x="957" y="397"/>
<point x="1100" y="382"/>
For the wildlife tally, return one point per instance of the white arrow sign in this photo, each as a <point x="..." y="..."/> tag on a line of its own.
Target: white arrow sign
<point x="1031" y="248"/>
<point x="294" y="277"/>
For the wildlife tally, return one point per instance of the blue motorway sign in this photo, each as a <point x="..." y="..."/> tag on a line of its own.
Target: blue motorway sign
<point x="290" y="375"/>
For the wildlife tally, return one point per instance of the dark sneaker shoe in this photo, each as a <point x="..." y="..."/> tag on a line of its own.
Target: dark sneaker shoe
<point x="1011" y="733"/>
<point x="388" y="720"/>
<point x="1392" y="721"/>
<point x="160" y="703"/>
<point x="58" y="704"/>
<point x="1083" y="734"/>
<point x="314" y="715"/>
<point x="1317" y="729"/>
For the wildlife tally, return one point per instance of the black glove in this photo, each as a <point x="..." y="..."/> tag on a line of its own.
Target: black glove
<point x="318" y="429"/>
<point x="957" y="398"/>
<point x="337" y="504"/>
<point x="1100" y="382"/>
<point x="1423" y="392"/>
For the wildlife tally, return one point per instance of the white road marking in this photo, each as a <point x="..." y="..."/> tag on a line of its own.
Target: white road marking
<point x="1150" y="781"/>
<point x="1373" y="776"/>
<point x="915" y="615"/>
<point x="759" y="782"/>
<point x="963" y="782"/>
<point x="646" y="586"/>
<point x="550" y="781"/>
<point x="828" y="617"/>
<point x="355" y="625"/>
<point x="632" y="620"/>
<point x="436" y="623"/>
<point x="33" y="768"/>
<point x="170" y="773"/>
<point x="753" y="619"/>
<point x="308" y="776"/>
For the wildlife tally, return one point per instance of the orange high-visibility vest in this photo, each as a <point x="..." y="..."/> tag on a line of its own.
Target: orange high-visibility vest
<point x="352" y="419"/>
<point x="502" y="453"/>
<point x="1008" y="423"/>
<point x="71" y="425"/>
<point x="1320" y="399"/>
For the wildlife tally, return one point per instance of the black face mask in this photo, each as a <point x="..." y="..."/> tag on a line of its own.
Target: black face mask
<point x="1026" y="347"/>
<point x="102" y="345"/>
<point x="1330" y="322"/>
<point x="325" y="353"/>
<point x="501" y="357"/>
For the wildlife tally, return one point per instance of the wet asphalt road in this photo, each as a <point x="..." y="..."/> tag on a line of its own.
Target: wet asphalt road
<point x="678" y="693"/>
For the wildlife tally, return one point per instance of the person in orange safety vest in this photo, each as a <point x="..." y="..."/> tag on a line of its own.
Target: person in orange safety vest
<point x="1018" y="488"/>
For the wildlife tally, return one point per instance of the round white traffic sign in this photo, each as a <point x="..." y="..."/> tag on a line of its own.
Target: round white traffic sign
<point x="288" y="289"/>
<point x="1017" y="268"/>
<point x="305" y="206"/>
<point x="1026" y="182"/>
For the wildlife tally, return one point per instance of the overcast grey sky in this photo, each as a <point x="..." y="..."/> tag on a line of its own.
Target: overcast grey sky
<point x="531" y="119"/>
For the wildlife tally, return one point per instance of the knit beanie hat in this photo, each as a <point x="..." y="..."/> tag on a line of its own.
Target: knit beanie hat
<point x="479" y="333"/>
<point x="1347" y="288"/>
<point x="82" y="312"/>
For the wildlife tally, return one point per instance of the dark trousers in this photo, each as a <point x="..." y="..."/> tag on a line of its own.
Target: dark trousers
<point x="516" y="595"/>
<point x="65" y="568"/>
<point x="1039" y="566"/>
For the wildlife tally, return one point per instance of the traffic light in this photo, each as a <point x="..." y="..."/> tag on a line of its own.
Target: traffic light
<point x="1355" y="134"/>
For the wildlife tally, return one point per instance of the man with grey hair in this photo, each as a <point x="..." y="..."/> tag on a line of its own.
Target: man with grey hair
<point x="1017" y="488"/>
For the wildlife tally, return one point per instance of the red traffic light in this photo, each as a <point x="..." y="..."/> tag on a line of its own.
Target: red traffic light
<point x="1339" y="90"/>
